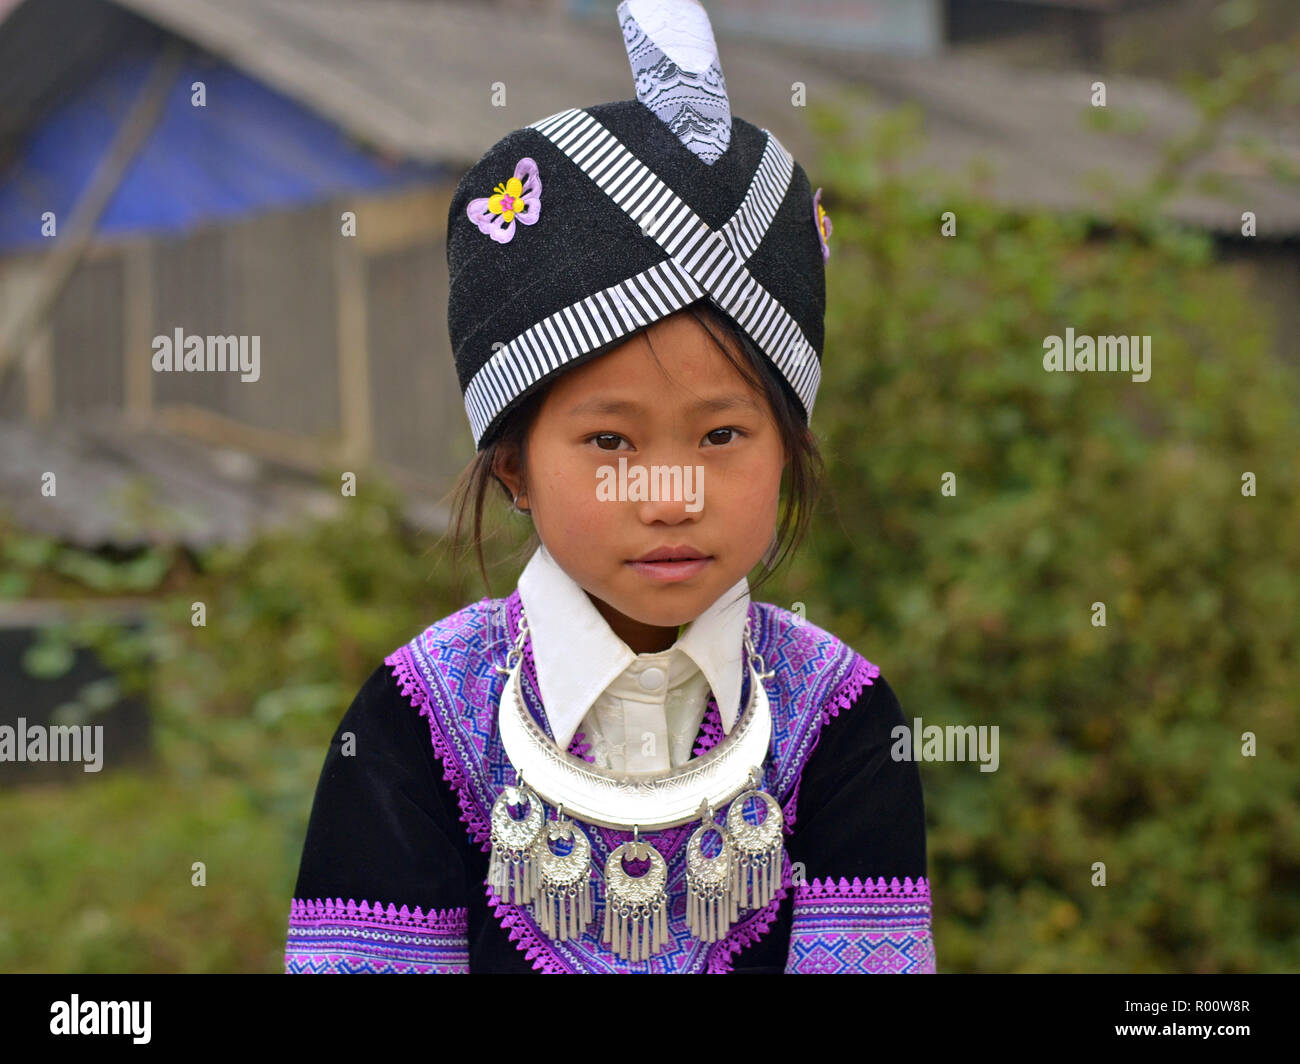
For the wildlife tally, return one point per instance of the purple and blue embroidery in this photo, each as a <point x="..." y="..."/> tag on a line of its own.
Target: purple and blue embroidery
<point x="328" y="937"/>
<point x="449" y="674"/>
<point x="579" y="747"/>
<point x="861" y="928"/>
<point x="711" y="731"/>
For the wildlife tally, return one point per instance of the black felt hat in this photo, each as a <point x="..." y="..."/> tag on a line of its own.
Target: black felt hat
<point x="573" y="233"/>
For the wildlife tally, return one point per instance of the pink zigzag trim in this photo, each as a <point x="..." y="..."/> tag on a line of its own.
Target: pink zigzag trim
<point x="534" y="949"/>
<point x="879" y="888"/>
<point x="862" y="674"/>
<point x="452" y="773"/>
<point x="450" y="921"/>
<point x="749" y="931"/>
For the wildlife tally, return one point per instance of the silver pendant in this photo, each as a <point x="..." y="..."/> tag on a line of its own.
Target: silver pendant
<point x="756" y="849"/>
<point x="562" y="904"/>
<point x="636" y="909"/>
<point x="710" y="902"/>
<point x="510" y="868"/>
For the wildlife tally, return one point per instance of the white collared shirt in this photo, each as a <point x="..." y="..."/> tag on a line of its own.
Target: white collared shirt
<point x="640" y="712"/>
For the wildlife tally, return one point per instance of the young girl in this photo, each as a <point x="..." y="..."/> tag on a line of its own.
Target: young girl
<point x="628" y="765"/>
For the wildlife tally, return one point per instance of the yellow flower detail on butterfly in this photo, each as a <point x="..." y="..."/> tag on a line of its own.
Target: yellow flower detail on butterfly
<point x="506" y="199"/>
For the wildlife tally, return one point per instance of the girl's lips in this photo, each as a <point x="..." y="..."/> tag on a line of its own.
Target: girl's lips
<point x="670" y="572"/>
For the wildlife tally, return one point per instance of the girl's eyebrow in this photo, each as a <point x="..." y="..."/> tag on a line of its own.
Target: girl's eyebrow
<point x="717" y="403"/>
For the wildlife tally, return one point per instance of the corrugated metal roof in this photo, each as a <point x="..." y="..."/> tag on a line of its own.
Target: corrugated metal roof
<point x="1031" y="126"/>
<point x="249" y="148"/>
<point x="130" y="488"/>
<point x="417" y="78"/>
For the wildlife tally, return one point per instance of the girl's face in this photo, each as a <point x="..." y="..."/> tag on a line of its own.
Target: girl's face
<point x="697" y="414"/>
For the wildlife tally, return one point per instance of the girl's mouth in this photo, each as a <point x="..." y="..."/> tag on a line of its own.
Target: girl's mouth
<point x="671" y="571"/>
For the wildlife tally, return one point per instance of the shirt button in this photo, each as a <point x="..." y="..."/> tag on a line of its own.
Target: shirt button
<point x="652" y="678"/>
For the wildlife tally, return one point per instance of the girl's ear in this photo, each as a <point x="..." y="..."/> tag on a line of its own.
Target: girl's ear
<point x="505" y="467"/>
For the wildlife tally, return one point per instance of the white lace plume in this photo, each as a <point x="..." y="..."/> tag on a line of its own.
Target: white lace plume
<point x="677" y="73"/>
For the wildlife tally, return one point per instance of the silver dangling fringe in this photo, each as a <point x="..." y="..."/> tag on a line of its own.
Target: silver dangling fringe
<point x="510" y="866"/>
<point x="757" y="849"/>
<point x="562" y="905"/>
<point x="636" y="909"/>
<point x="710" y="900"/>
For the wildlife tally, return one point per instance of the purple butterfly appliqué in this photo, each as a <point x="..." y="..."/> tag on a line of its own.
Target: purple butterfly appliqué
<point x="517" y="200"/>
<point x="823" y="221"/>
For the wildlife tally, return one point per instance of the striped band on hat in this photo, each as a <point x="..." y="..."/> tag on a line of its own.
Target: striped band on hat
<point x="700" y="262"/>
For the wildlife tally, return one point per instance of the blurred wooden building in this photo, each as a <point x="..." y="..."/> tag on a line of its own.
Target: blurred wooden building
<point x="228" y="218"/>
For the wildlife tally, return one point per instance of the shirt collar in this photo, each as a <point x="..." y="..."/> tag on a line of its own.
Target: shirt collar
<point x="578" y="656"/>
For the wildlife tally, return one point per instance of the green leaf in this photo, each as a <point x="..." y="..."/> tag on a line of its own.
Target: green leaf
<point x="48" y="660"/>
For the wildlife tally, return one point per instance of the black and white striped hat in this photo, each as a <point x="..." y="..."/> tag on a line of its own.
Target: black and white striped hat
<point x="573" y="233"/>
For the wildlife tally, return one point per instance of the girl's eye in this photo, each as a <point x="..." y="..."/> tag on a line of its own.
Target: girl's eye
<point x="731" y="433"/>
<point x="711" y="436"/>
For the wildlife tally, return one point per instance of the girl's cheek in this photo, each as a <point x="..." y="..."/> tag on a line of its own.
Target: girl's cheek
<point x="567" y="483"/>
<point x="757" y="487"/>
<point x="580" y="511"/>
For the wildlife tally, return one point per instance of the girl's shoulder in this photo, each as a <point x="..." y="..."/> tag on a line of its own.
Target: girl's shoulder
<point x="783" y="630"/>
<point x="476" y="628"/>
<point x="812" y="664"/>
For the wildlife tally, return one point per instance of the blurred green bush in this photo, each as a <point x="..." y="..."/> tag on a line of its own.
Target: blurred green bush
<point x="1119" y="744"/>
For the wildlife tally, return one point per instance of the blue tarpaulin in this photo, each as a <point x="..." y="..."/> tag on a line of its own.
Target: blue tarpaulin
<point x="251" y="148"/>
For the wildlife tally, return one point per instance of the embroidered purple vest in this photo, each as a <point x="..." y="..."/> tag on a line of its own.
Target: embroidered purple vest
<point x="449" y="673"/>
